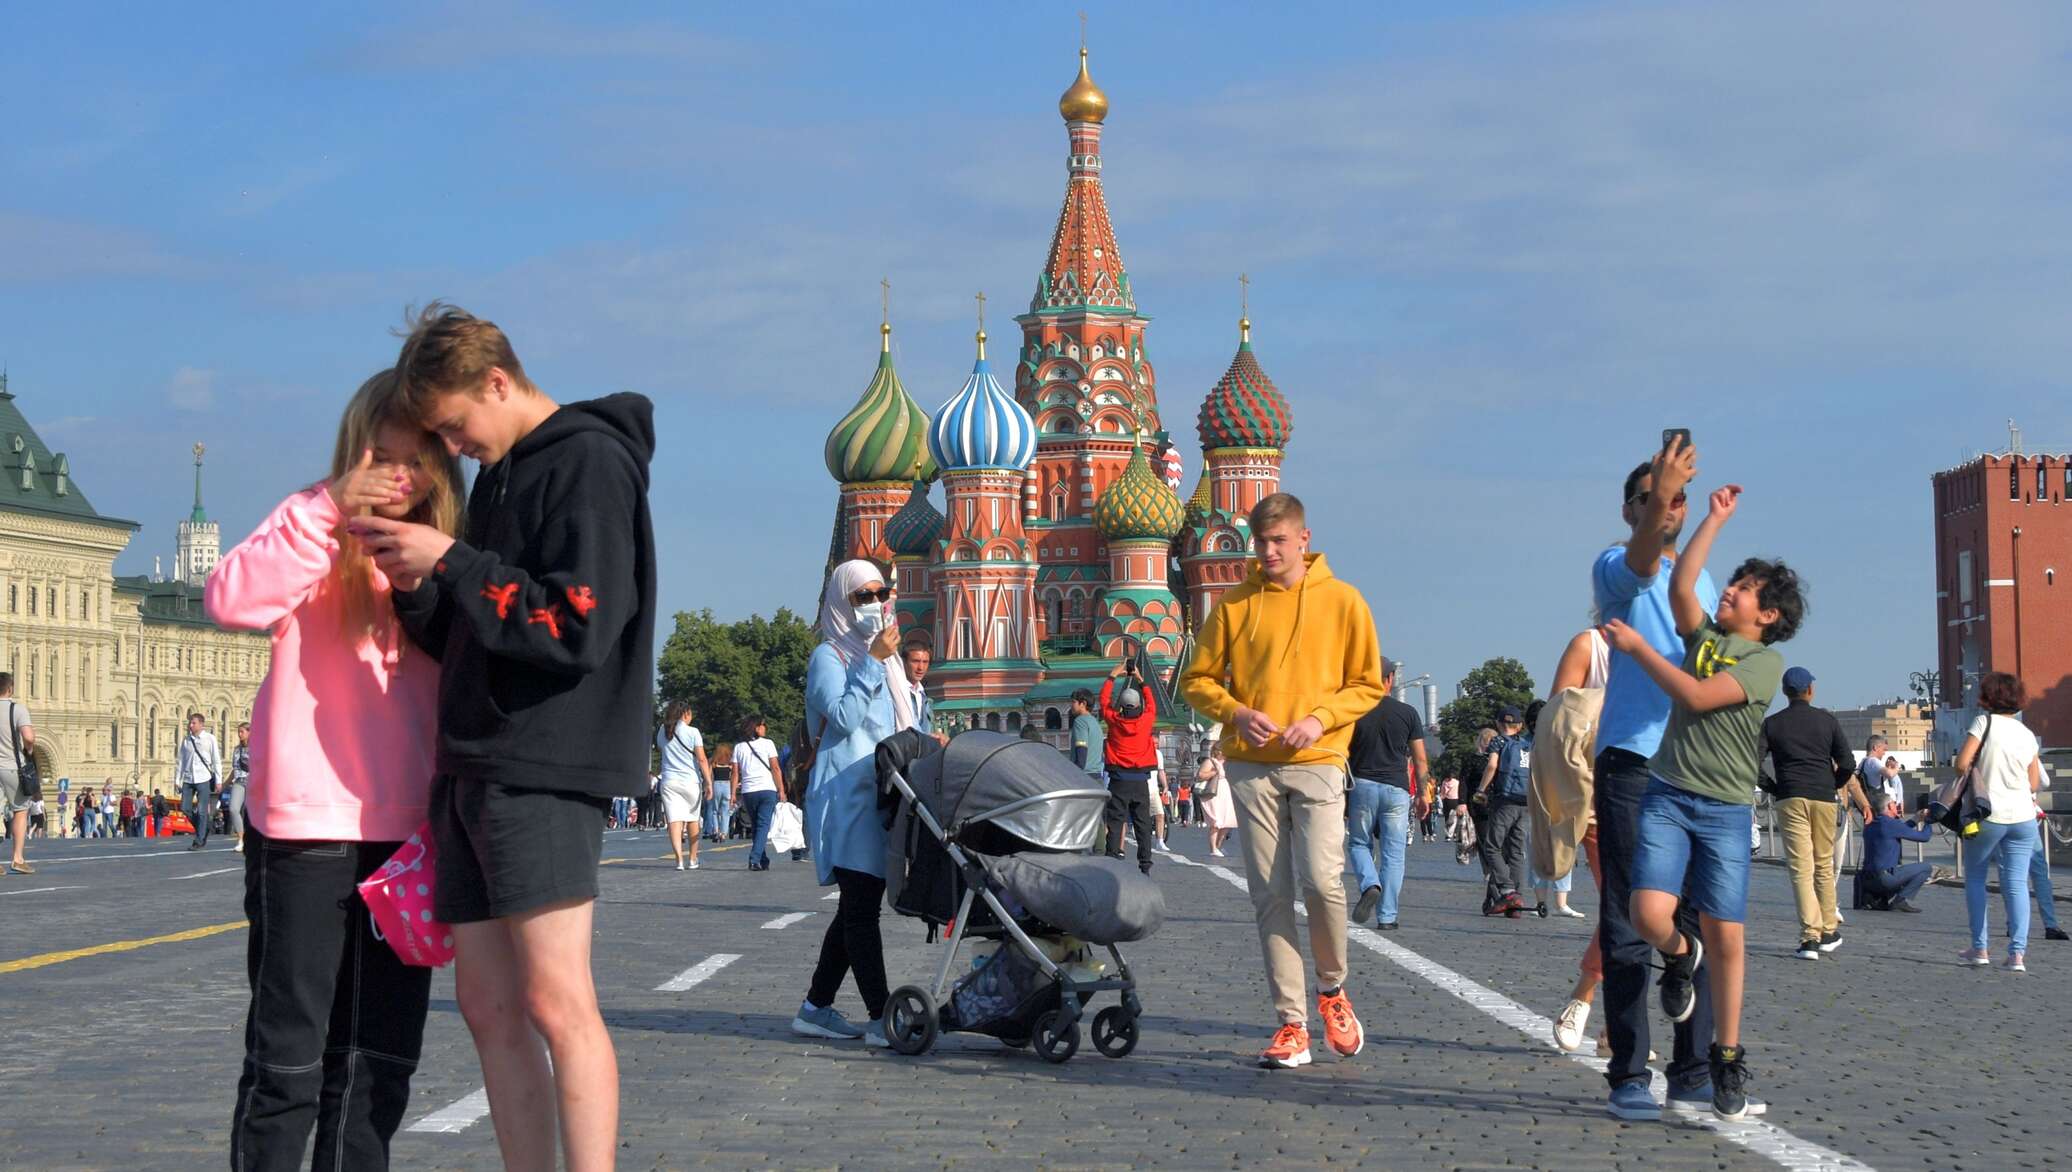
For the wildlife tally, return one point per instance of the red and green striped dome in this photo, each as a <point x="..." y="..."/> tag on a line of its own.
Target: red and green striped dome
<point x="1245" y="410"/>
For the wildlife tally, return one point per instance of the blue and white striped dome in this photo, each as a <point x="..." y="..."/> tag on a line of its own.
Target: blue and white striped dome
<point x="982" y="426"/>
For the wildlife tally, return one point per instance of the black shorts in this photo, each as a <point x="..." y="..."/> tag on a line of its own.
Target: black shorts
<point x="505" y="850"/>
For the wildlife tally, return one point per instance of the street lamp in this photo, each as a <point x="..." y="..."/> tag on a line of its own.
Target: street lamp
<point x="1927" y="685"/>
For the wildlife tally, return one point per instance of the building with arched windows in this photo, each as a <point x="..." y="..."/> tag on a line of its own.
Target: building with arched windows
<point x="109" y="667"/>
<point x="1062" y="544"/>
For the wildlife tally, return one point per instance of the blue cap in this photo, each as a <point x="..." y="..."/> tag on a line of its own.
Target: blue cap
<point x="1797" y="680"/>
<point x="1511" y="712"/>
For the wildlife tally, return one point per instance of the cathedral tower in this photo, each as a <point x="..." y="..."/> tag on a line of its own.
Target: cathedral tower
<point x="200" y="540"/>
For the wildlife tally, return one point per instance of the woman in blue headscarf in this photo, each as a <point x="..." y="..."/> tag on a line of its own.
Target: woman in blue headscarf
<point x="856" y="695"/>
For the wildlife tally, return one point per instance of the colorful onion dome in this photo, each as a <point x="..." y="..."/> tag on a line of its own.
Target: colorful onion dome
<point x="982" y="426"/>
<point x="916" y="527"/>
<point x="1245" y="410"/>
<point x="1139" y="505"/>
<point x="1084" y="102"/>
<point x="1198" y="505"/>
<point x="883" y="437"/>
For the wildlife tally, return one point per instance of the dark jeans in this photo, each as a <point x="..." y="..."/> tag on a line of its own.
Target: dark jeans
<point x="1901" y="882"/>
<point x="198" y="802"/>
<point x="760" y="807"/>
<point x="1622" y="778"/>
<point x="853" y="944"/>
<point x="1128" y="797"/>
<point x="1503" y="848"/>
<point x="336" y="1021"/>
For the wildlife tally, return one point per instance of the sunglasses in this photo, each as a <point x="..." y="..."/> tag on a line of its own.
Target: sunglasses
<point x="881" y="594"/>
<point x="1642" y="498"/>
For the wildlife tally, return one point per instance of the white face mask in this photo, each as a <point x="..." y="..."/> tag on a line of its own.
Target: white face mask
<point x="870" y="619"/>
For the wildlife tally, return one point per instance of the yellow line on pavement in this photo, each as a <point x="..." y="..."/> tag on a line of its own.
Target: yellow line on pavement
<point x="51" y="958"/>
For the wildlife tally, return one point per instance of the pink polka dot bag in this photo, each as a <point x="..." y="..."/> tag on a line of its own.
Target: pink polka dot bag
<point x="399" y="899"/>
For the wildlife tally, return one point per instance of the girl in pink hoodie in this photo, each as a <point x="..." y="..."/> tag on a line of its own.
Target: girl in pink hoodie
<point x="341" y="759"/>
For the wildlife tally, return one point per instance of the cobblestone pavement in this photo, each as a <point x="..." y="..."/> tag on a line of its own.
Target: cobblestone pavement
<point x="1886" y="1053"/>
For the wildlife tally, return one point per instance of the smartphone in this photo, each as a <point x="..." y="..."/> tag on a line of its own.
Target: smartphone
<point x="1671" y="434"/>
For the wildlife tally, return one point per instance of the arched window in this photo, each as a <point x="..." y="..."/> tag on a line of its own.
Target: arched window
<point x="115" y="740"/>
<point x="151" y="734"/>
<point x="1053" y="719"/>
<point x="1014" y="722"/>
<point x="993" y="721"/>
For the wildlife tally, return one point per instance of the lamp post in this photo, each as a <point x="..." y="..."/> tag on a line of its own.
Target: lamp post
<point x="1927" y="684"/>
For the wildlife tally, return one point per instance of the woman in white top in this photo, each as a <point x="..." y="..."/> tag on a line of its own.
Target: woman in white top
<point x="1212" y="791"/>
<point x="757" y="776"/>
<point x="685" y="785"/>
<point x="2009" y="772"/>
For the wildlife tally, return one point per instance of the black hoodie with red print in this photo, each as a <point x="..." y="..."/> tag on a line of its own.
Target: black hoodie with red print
<point x="543" y="615"/>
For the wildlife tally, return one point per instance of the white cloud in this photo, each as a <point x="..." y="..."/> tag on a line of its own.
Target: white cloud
<point x="192" y="389"/>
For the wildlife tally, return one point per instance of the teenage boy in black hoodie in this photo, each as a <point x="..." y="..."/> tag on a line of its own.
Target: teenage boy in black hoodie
<point x="542" y="618"/>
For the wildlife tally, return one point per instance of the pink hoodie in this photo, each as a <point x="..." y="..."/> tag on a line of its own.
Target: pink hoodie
<point x="343" y="732"/>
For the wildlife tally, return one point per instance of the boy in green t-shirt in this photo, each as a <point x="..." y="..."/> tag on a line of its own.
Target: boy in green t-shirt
<point x="1695" y="819"/>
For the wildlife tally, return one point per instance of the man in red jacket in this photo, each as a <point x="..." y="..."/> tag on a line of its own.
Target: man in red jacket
<point x="1128" y="711"/>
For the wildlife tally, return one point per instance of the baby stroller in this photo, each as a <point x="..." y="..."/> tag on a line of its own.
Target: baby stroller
<point x="989" y="839"/>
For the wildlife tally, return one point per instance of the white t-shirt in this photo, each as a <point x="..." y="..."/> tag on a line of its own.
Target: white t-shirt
<point x="680" y="752"/>
<point x="752" y="761"/>
<point x="2007" y="753"/>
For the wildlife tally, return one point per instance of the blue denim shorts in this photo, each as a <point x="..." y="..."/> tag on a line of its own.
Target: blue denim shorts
<point x="1694" y="847"/>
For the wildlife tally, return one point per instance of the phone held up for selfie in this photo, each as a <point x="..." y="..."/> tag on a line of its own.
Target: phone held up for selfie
<point x="1671" y="434"/>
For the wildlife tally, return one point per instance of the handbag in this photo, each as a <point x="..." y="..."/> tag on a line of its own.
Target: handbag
<point x="24" y="765"/>
<point x="1957" y="804"/>
<point x="787" y="828"/>
<point x="399" y="903"/>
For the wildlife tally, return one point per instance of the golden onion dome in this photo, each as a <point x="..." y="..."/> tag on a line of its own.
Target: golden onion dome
<point x="1084" y="102"/>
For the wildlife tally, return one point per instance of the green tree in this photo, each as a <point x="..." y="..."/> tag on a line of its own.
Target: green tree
<point x="729" y="671"/>
<point x="1483" y="694"/>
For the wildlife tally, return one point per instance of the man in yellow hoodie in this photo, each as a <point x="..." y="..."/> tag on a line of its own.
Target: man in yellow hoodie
<point x="1286" y="662"/>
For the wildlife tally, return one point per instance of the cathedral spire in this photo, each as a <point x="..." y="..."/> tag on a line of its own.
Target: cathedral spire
<point x="198" y="516"/>
<point x="1084" y="269"/>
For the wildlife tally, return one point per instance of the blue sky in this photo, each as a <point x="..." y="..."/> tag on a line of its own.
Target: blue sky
<point x="1494" y="249"/>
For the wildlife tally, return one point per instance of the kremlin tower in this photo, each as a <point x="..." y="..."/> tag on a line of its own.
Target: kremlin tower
<point x="1062" y="544"/>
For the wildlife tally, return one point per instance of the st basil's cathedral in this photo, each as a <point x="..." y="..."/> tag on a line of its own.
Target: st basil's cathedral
<point x="1063" y="544"/>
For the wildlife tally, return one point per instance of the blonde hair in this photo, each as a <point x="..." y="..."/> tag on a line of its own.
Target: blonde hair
<point x="375" y="405"/>
<point x="1280" y="506"/>
<point x="450" y="350"/>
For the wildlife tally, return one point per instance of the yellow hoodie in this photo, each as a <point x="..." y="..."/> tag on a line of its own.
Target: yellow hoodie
<point x="1309" y="651"/>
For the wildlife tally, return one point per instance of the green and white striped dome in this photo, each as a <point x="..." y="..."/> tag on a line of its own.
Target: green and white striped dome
<point x="883" y="437"/>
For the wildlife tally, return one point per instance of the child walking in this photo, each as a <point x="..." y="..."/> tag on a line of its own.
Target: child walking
<point x="543" y="617"/>
<point x="1699" y="804"/>
<point x="339" y="761"/>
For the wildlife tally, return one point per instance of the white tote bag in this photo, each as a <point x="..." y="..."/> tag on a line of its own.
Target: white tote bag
<point x="787" y="828"/>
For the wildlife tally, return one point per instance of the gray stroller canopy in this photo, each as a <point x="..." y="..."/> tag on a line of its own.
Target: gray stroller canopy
<point x="1025" y="788"/>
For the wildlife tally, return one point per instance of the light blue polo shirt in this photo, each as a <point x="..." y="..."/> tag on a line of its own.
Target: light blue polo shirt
<point x="1636" y="711"/>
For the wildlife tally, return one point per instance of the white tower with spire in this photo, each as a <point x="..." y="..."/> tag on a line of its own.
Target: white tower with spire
<point x="201" y="541"/>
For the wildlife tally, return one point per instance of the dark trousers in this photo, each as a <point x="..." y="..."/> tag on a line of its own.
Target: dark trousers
<point x="1128" y="798"/>
<point x="853" y="944"/>
<point x="1622" y="778"/>
<point x="1503" y="848"/>
<point x="198" y="802"/>
<point x="336" y="1021"/>
<point x="1901" y="882"/>
<point x="760" y="806"/>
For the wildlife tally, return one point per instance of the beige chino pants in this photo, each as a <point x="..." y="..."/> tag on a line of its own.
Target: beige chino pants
<point x="1807" y="827"/>
<point x="1291" y="828"/>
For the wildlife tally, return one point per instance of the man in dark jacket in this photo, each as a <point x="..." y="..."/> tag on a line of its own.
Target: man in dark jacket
<point x="1885" y="878"/>
<point x="1504" y="791"/>
<point x="1811" y="762"/>
<point x="543" y="619"/>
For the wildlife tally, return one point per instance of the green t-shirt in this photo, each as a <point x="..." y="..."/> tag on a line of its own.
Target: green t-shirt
<point x="1714" y="754"/>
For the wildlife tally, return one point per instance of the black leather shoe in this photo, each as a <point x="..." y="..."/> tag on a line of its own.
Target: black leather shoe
<point x="1900" y="905"/>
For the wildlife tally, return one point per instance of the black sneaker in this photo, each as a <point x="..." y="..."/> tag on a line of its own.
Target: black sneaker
<point x="2055" y="934"/>
<point x="1900" y="905"/>
<point x="1808" y="950"/>
<point x="1369" y="903"/>
<point x="1730" y="1082"/>
<point x="1389" y="927"/>
<point x="1679" y="985"/>
<point x="1830" y="941"/>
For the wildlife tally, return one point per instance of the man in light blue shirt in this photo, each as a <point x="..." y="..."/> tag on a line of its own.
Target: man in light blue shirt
<point x="917" y="657"/>
<point x="1630" y="583"/>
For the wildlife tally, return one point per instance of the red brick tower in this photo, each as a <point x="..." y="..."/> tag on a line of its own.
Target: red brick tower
<point x="2003" y="533"/>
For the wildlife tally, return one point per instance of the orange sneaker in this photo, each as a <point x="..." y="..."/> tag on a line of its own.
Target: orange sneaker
<point x="1290" y="1047"/>
<point x="1341" y="1025"/>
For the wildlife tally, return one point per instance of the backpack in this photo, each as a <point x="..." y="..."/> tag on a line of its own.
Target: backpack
<point x="1513" y="779"/>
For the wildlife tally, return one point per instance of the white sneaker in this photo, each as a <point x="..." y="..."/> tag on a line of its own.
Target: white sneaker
<point x="1568" y="1027"/>
<point x="1163" y="848"/>
<point x="679" y="864"/>
<point x="1571" y="913"/>
<point x="690" y="866"/>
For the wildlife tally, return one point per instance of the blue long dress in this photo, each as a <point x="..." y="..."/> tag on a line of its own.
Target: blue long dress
<point x="849" y="708"/>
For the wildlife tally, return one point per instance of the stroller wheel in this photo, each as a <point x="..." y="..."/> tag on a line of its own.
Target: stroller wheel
<point x="1057" y="1037"/>
<point x="910" y="1020"/>
<point x="1115" y="1031"/>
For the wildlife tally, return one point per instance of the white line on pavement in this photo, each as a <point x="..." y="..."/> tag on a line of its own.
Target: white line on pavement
<point x="698" y="973"/>
<point x="53" y="860"/>
<point x="1764" y="1139"/>
<point x="830" y="895"/>
<point x="788" y="919"/>
<point x="41" y="890"/>
<point x="204" y="874"/>
<point x="456" y="1116"/>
